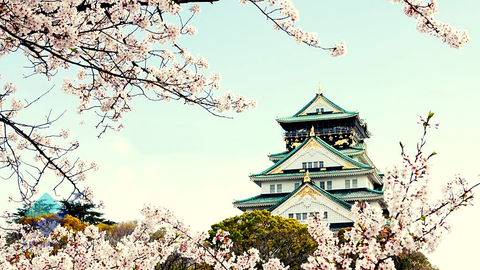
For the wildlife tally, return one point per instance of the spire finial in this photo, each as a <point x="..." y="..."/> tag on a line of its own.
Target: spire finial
<point x="306" y="179"/>
<point x="319" y="89"/>
<point x="312" y="132"/>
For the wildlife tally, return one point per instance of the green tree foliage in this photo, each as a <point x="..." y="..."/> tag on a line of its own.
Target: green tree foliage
<point x="85" y="212"/>
<point x="79" y="216"/>
<point x="413" y="261"/>
<point x="274" y="236"/>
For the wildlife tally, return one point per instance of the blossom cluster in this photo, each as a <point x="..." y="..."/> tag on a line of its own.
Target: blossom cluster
<point x="424" y="12"/>
<point x="284" y="16"/>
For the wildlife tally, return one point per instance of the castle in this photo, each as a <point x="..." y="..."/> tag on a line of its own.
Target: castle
<point x="324" y="169"/>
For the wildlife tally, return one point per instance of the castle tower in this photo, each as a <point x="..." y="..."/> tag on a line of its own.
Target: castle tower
<point x="332" y="124"/>
<point x="324" y="169"/>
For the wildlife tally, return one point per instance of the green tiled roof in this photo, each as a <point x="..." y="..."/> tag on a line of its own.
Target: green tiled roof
<point x="327" y="146"/>
<point x="262" y="199"/>
<point x="321" y="173"/>
<point x="355" y="194"/>
<point x="278" y="154"/>
<point x="316" y="117"/>
<point x="326" y="100"/>
<point x="277" y="157"/>
<point x="351" y="151"/>
<point x="322" y="191"/>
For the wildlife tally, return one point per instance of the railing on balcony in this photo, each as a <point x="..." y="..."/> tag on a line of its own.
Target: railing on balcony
<point x="321" y="131"/>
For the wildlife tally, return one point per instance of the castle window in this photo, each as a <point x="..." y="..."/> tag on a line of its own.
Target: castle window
<point x="290" y="215"/>
<point x="272" y="188"/>
<point x="279" y="188"/>
<point x="318" y="110"/>
<point x="322" y="110"/>
<point x="325" y="215"/>
<point x="322" y="184"/>
<point x="329" y="184"/>
<point x="298" y="216"/>
<point x="347" y="183"/>
<point x="304" y="216"/>
<point x="304" y="165"/>
<point x="320" y="164"/>
<point x="354" y="183"/>
<point x="309" y="165"/>
<point x="315" y="164"/>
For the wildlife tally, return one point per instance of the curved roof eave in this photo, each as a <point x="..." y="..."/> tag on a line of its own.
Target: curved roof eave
<point x="313" y="175"/>
<point x="316" y="117"/>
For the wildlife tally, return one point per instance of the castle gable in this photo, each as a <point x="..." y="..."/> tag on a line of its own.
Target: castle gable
<point x="314" y="155"/>
<point x="312" y="200"/>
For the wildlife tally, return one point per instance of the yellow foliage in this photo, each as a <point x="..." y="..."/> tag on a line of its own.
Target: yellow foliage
<point x="70" y="222"/>
<point x="105" y="227"/>
<point x="30" y="221"/>
<point x="73" y="223"/>
<point x="113" y="233"/>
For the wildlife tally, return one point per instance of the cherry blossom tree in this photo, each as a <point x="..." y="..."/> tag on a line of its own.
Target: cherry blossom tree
<point x="414" y="221"/>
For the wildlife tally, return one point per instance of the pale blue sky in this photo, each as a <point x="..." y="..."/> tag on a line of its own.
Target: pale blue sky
<point x="185" y="159"/>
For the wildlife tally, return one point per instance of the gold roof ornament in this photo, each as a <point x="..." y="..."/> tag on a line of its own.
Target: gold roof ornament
<point x="312" y="132"/>
<point x="306" y="179"/>
<point x="319" y="89"/>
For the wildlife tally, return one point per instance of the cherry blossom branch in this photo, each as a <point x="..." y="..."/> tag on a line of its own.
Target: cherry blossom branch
<point x="114" y="58"/>
<point x="17" y="138"/>
<point x="285" y="23"/>
<point x="424" y="13"/>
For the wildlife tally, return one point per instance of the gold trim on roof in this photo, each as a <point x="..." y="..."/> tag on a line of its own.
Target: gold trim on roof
<point x="312" y="144"/>
<point x="306" y="191"/>
<point x="306" y="179"/>
<point x="348" y="166"/>
<point x="276" y="171"/>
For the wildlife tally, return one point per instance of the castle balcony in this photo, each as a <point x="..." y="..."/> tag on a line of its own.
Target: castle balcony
<point x="321" y="131"/>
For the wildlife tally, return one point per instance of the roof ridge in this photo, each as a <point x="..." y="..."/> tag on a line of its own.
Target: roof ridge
<point x="306" y="106"/>
<point x="342" y="155"/>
